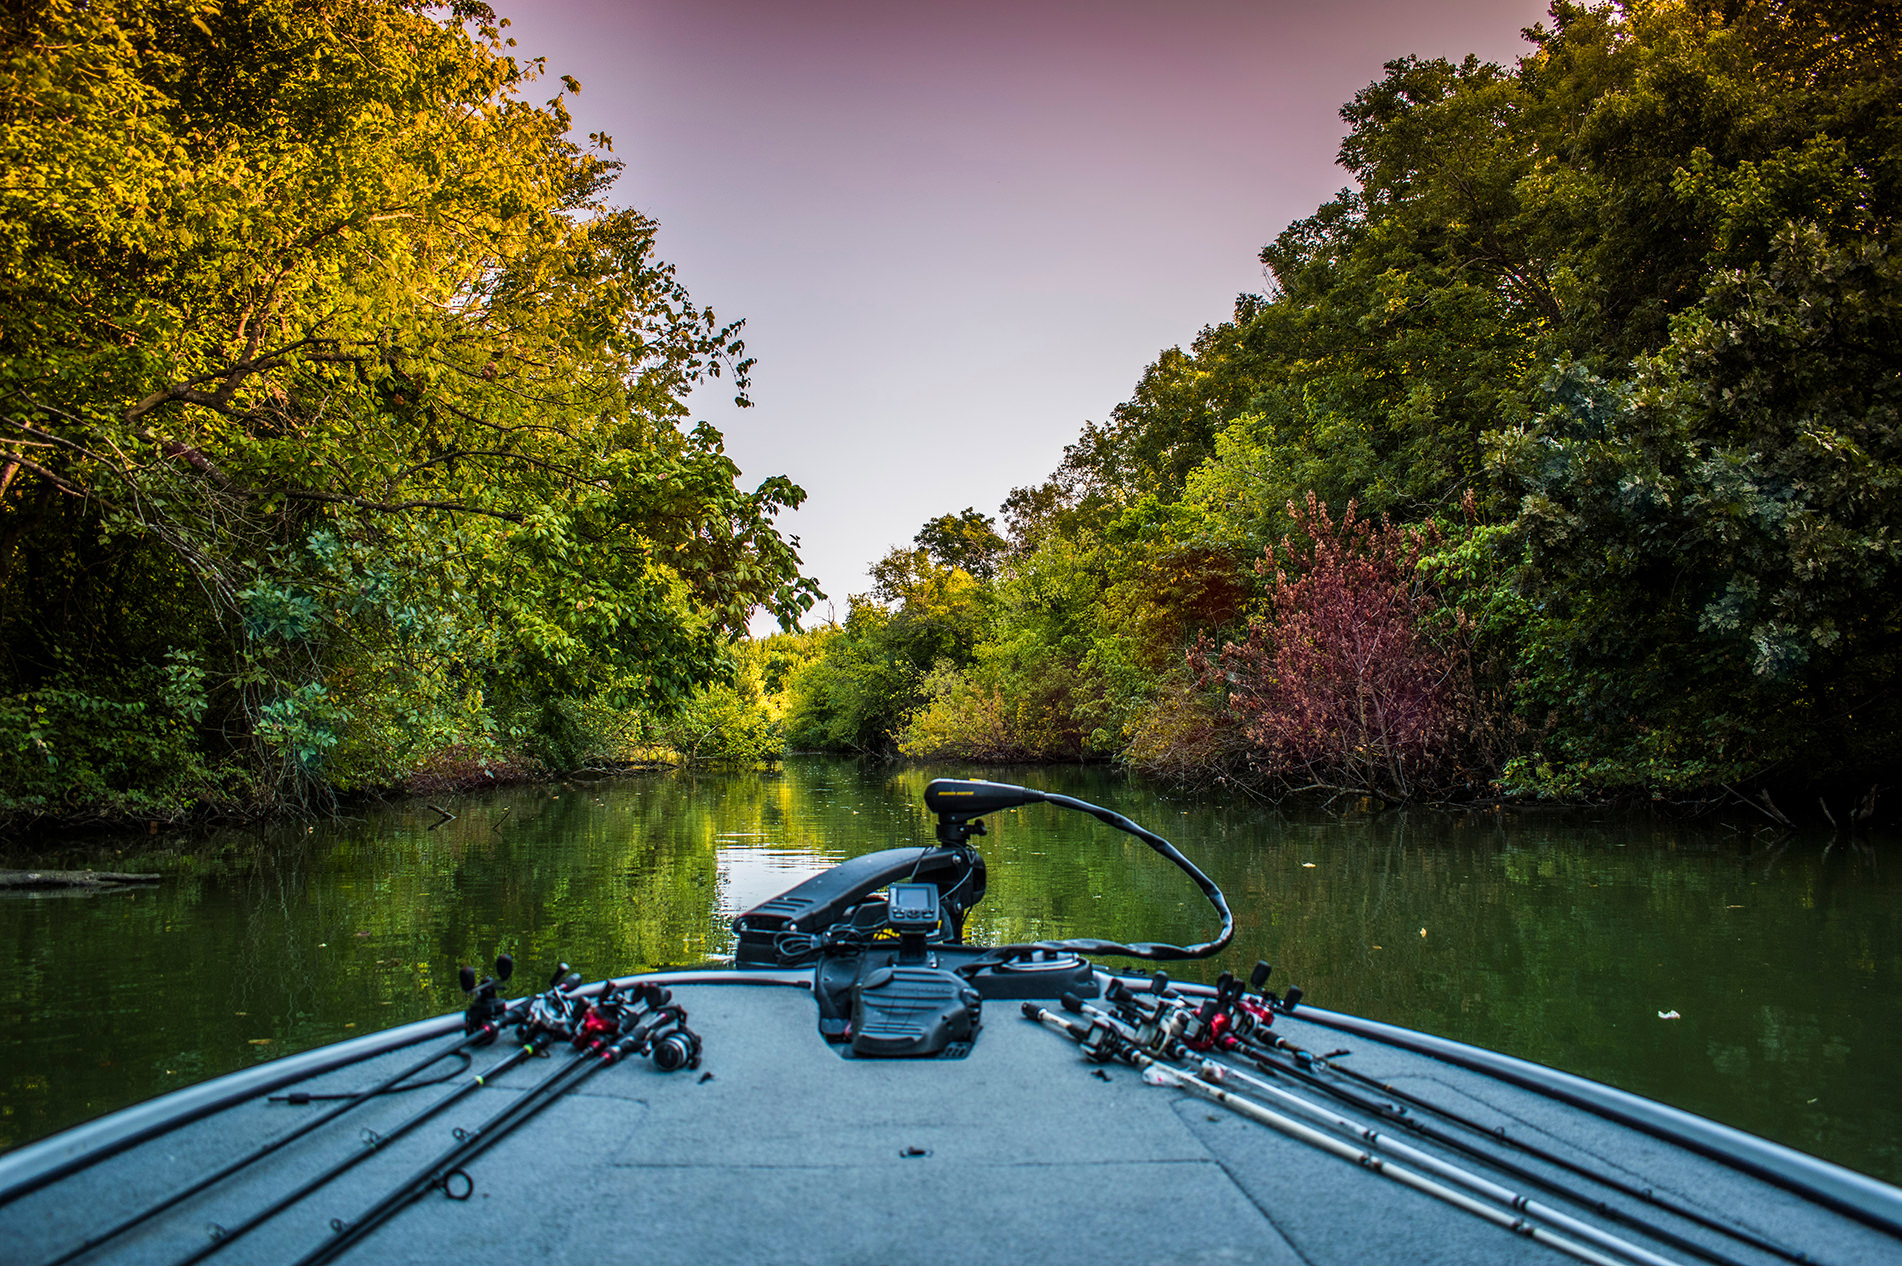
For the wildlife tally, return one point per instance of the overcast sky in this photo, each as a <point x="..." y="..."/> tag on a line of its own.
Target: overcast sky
<point x="957" y="232"/>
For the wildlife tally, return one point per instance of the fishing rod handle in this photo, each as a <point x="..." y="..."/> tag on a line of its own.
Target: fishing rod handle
<point x="1055" y="1023"/>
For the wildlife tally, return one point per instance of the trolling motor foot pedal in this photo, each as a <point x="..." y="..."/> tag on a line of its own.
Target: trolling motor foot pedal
<point x="904" y="1012"/>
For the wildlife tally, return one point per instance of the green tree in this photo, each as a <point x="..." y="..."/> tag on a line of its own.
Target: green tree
<point x="1627" y="308"/>
<point x="322" y="351"/>
<point x="967" y="541"/>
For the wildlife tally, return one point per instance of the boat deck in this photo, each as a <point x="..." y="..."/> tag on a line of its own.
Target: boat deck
<point x="778" y="1150"/>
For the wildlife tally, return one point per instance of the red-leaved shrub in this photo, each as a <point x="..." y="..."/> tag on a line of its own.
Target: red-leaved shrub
<point x="1342" y="687"/>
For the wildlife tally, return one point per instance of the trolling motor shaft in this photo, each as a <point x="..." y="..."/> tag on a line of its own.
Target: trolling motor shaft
<point x="960" y="803"/>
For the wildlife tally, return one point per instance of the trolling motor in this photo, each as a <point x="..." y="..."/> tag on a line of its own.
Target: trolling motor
<point x="839" y="907"/>
<point x="891" y="972"/>
<point x="958" y="803"/>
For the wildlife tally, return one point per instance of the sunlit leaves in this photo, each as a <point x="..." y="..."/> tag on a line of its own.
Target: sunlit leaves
<point x="277" y="274"/>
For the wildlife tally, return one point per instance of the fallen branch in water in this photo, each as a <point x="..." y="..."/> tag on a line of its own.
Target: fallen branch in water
<point x="71" y="878"/>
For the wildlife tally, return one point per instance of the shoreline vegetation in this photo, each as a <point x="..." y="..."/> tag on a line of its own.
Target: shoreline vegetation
<point x="343" y="447"/>
<point x="1561" y="461"/>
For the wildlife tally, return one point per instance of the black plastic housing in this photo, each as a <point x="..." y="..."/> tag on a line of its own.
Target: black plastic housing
<point x="829" y="897"/>
<point x="912" y="1013"/>
<point x="970" y="797"/>
<point x="1044" y="974"/>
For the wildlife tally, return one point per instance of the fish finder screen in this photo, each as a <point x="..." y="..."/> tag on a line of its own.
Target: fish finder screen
<point x="913" y="905"/>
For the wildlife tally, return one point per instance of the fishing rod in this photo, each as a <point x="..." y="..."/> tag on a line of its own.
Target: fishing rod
<point x="1405" y="1120"/>
<point x="1524" y="1174"/>
<point x="1101" y="1041"/>
<point x="659" y="1031"/>
<point x="309" y="1065"/>
<point x="1248" y="1039"/>
<point x="482" y="1022"/>
<point x="1167" y="1032"/>
<point x="1163" y="1023"/>
<point x="544" y="1019"/>
<point x="1211" y="1071"/>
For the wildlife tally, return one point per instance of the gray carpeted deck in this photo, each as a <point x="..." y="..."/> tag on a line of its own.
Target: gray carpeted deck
<point x="787" y="1153"/>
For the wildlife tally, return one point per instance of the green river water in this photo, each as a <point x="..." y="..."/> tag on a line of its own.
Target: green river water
<point x="1560" y="938"/>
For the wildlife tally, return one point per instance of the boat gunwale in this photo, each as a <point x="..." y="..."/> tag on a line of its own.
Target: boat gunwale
<point x="1867" y="1199"/>
<point x="1859" y="1196"/>
<point x="41" y="1162"/>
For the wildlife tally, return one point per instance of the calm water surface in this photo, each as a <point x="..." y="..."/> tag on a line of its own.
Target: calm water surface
<point x="1559" y="939"/>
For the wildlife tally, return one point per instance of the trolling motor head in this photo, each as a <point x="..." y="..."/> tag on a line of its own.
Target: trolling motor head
<point x="959" y="802"/>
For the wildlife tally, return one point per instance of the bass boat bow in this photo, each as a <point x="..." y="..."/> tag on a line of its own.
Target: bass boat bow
<point x="860" y="1084"/>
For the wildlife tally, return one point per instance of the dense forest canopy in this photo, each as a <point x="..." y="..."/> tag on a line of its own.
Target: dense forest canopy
<point x="341" y="415"/>
<point x="1610" y="340"/>
<point x="342" y="436"/>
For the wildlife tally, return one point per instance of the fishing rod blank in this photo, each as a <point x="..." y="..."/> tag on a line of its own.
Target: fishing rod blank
<point x="480" y="1037"/>
<point x="1328" y="1143"/>
<point x="1603" y="1208"/>
<point x="1264" y="1060"/>
<point x="440" y="1173"/>
<point x="373" y="1143"/>
<point x="1218" y="1073"/>
<point x="546" y="1016"/>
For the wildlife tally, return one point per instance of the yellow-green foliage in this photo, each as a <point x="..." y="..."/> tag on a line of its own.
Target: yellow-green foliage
<point x="324" y="358"/>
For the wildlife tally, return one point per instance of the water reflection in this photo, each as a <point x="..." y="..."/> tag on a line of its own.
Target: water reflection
<point x="1550" y="937"/>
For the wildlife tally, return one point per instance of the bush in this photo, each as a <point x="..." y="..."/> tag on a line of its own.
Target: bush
<point x="971" y="715"/>
<point x="1342" y="687"/>
<point x="130" y="753"/>
<point x="859" y="688"/>
<point x="1186" y="735"/>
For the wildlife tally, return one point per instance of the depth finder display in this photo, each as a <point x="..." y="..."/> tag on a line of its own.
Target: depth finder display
<point x="913" y="905"/>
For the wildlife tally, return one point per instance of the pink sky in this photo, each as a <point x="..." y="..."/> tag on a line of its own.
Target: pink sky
<point x="958" y="232"/>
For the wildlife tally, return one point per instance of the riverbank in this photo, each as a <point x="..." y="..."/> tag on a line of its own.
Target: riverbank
<point x="460" y="773"/>
<point x="456" y="772"/>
